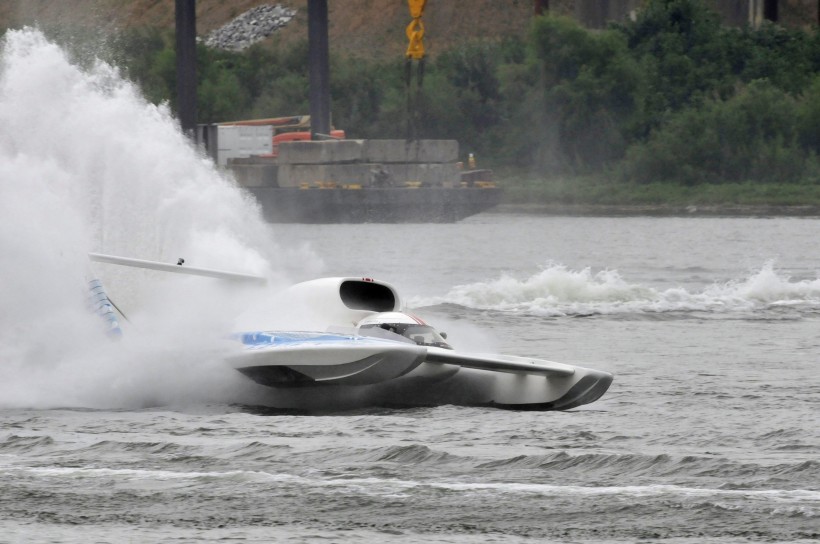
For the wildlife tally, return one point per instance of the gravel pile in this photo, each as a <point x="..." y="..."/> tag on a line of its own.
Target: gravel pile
<point x="252" y="26"/>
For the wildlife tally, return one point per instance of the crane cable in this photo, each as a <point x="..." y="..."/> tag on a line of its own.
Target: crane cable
<point x="415" y="52"/>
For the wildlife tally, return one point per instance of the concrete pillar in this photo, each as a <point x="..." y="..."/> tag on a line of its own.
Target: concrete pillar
<point x="319" y="68"/>
<point x="186" y="64"/>
<point x="755" y="13"/>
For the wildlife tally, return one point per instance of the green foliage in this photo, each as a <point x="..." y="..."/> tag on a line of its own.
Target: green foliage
<point x="784" y="57"/>
<point x="593" y="92"/>
<point x="672" y="97"/>
<point x="466" y="103"/>
<point x="147" y="56"/>
<point x="359" y="93"/>
<point x="683" y="49"/>
<point x="279" y="81"/>
<point x="808" y="117"/>
<point x="751" y="137"/>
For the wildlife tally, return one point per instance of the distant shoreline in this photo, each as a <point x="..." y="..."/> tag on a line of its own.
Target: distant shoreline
<point x="661" y="210"/>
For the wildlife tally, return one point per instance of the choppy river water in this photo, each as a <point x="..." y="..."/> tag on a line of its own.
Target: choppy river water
<point x="708" y="434"/>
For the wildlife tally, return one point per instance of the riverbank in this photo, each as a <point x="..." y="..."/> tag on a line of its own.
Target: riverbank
<point x="595" y="196"/>
<point x="660" y="210"/>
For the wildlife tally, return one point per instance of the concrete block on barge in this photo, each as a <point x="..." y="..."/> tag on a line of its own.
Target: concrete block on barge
<point x="320" y="152"/>
<point x="255" y="171"/>
<point x="410" y="151"/>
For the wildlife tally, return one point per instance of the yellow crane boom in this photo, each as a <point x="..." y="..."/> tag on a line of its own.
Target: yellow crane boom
<point x="415" y="30"/>
<point x="415" y="52"/>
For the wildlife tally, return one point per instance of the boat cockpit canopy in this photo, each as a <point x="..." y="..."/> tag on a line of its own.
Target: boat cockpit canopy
<point x="423" y="335"/>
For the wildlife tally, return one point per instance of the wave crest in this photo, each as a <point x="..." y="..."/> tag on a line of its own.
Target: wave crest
<point x="558" y="291"/>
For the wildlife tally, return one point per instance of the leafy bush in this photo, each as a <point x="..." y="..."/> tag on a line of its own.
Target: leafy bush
<point x="683" y="50"/>
<point x="593" y="89"/>
<point x="752" y="136"/>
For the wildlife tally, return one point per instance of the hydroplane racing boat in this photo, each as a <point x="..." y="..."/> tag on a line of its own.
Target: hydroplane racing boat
<point x="369" y="351"/>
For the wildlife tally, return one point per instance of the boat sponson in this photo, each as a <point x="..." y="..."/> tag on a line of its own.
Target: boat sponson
<point x="588" y="389"/>
<point x="277" y="376"/>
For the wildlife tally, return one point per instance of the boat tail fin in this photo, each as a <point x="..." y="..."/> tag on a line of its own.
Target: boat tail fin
<point x="103" y="307"/>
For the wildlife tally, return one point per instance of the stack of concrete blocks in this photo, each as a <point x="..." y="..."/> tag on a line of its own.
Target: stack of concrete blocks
<point x="354" y="164"/>
<point x="255" y="171"/>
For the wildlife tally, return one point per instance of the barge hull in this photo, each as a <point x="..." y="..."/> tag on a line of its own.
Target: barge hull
<point x="373" y="205"/>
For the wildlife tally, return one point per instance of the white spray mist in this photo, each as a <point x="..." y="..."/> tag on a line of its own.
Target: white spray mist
<point x="86" y="164"/>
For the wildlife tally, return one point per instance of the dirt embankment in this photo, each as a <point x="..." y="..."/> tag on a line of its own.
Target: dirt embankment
<point x="369" y="28"/>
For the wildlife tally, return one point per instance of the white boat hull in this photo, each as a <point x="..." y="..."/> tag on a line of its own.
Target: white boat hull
<point x="465" y="387"/>
<point x="297" y="359"/>
<point x="312" y="371"/>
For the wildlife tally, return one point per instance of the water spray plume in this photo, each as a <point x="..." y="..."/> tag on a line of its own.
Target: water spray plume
<point x="88" y="165"/>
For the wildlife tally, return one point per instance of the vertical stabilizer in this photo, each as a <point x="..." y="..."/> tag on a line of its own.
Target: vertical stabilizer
<point x="102" y="306"/>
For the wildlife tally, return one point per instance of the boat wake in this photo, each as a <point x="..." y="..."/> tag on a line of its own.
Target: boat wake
<point x="559" y="292"/>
